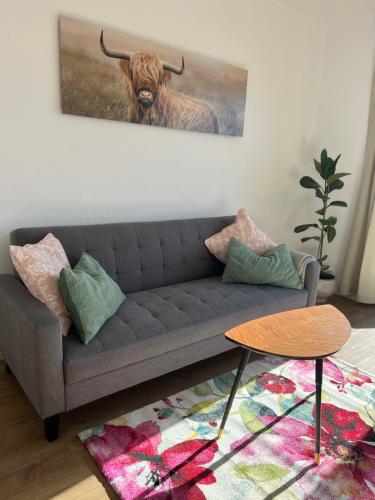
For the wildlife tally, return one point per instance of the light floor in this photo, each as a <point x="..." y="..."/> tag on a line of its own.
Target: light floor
<point x="31" y="468"/>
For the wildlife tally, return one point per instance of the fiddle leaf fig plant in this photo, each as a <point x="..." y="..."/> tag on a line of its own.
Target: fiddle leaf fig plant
<point x="328" y="182"/>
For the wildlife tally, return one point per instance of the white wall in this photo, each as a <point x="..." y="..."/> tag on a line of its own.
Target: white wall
<point x="347" y="72"/>
<point x="60" y="169"/>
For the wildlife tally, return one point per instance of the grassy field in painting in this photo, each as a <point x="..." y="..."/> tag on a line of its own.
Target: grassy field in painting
<point x="97" y="89"/>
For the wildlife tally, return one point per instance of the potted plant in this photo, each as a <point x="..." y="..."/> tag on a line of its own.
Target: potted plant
<point x="329" y="182"/>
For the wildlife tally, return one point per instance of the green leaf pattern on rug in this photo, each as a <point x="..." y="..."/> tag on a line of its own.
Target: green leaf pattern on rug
<point x="203" y="389"/>
<point x="367" y="414"/>
<point x="356" y="391"/>
<point x="225" y="382"/>
<point x="254" y="387"/>
<point x="260" y="473"/>
<point x="94" y="431"/>
<point x="302" y="412"/>
<point x="250" y="411"/>
<point x="122" y="420"/>
<point x="207" y="411"/>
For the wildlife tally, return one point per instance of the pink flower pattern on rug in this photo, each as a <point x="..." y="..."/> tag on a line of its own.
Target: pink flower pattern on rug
<point x="168" y="450"/>
<point x="177" y="469"/>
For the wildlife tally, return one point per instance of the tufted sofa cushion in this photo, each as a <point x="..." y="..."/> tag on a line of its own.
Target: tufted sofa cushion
<point x="140" y="255"/>
<point x="152" y="322"/>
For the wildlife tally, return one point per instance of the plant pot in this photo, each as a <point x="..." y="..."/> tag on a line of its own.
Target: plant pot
<point x="326" y="286"/>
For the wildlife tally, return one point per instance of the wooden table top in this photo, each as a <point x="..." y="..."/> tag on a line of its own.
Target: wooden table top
<point x="307" y="333"/>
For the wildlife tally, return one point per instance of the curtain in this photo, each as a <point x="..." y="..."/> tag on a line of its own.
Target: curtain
<point x="358" y="279"/>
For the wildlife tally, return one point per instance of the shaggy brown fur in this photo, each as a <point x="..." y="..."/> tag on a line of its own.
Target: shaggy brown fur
<point x="152" y="103"/>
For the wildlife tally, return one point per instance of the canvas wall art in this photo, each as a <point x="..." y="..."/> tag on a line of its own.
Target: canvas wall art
<point x="117" y="76"/>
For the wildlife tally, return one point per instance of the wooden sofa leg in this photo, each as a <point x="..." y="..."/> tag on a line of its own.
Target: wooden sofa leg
<point x="8" y="371"/>
<point x="51" y="427"/>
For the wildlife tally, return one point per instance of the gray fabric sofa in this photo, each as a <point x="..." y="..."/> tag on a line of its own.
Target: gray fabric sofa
<point x="175" y="314"/>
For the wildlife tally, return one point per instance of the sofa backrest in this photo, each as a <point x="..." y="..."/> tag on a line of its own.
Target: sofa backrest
<point x="140" y="255"/>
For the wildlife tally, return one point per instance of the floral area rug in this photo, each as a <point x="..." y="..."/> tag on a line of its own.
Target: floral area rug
<point x="168" y="450"/>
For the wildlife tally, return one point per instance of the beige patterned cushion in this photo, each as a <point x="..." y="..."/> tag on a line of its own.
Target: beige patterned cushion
<point x="39" y="266"/>
<point x="243" y="229"/>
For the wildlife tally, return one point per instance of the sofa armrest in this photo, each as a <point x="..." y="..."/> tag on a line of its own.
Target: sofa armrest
<point x="311" y="281"/>
<point x="31" y="341"/>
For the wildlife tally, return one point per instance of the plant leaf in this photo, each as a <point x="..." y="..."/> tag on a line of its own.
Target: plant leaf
<point x="260" y="472"/>
<point x="308" y="182"/>
<point x="317" y="166"/>
<point x="307" y="238"/>
<point x="332" y="178"/>
<point x="320" y="211"/>
<point x="331" y="233"/>
<point x="337" y="159"/>
<point x="328" y="165"/>
<point x="324" y="257"/>
<point x="319" y="194"/>
<point x="335" y="185"/>
<point x="323" y="156"/>
<point x="324" y="268"/>
<point x="330" y="168"/>
<point x="338" y="203"/>
<point x="331" y="221"/>
<point x="303" y="227"/>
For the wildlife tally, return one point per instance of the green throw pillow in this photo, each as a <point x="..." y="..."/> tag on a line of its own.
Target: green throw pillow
<point x="275" y="267"/>
<point x="90" y="295"/>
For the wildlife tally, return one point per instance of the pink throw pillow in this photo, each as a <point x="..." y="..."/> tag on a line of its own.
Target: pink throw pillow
<point x="39" y="266"/>
<point x="243" y="229"/>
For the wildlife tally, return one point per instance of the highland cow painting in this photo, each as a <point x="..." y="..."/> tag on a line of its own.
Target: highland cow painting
<point x="118" y="76"/>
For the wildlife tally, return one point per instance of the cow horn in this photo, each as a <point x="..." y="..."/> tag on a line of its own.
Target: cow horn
<point x="174" y="69"/>
<point x="113" y="53"/>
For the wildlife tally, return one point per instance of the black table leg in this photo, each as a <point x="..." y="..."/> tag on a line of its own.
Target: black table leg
<point x="318" y="401"/>
<point x="243" y="363"/>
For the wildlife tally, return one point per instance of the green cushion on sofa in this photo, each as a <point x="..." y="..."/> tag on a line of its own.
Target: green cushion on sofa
<point x="274" y="267"/>
<point x="90" y="295"/>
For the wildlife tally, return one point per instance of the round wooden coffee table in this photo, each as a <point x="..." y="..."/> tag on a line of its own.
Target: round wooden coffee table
<point x="309" y="333"/>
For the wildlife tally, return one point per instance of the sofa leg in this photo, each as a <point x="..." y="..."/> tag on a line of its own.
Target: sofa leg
<point x="51" y="427"/>
<point x="8" y="371"/>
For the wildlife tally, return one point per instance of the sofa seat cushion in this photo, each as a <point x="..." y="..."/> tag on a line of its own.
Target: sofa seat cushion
<point x="153" y="322"/>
